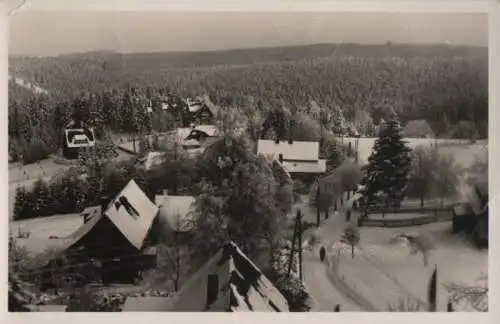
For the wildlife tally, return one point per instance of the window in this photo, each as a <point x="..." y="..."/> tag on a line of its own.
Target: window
<point x="212" y="289"/>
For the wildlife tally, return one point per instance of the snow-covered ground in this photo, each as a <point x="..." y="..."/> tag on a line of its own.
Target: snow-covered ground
<point x="28" y="85"/>
<point x="466" y="152"/>
<point x="383" y="272"/>
<point x="41" y="229"/>
<point x="26" y="175"/>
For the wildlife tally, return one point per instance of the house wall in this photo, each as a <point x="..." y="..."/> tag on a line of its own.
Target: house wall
<point x="119" y="259"/>
<point x="193" y="295"/>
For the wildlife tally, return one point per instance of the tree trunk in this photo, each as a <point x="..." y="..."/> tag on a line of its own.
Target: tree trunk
<point x="424" y="254"/>
<point x="422" y="202"/>
<point x="352" y="250"/>
<point x="176" y="284"/>
<point x="326" y="214"/>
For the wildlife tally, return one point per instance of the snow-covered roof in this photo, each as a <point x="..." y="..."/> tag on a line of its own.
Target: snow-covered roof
<point x="90" y="212"/>
<point x="193" y="105"/>
<point x="152" y="158"/>
<point x="305" y="167"/>
<point x="183" y="132"/>
<point x="298" y="150"/>
<point x="177" y="211"/>
<point x="191" y="143"/>
<point x="132" y="213"/>
<point x="210" y="130"/>
<point x="249" y="289"/>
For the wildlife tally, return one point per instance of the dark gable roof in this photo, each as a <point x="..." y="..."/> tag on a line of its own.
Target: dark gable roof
<point x="249" y="289"/>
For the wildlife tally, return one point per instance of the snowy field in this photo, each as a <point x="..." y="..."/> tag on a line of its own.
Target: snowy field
<point x="42" y="228"/>
<point x="464" y="152"/>
<point x="27" y="175"/>
<point x="383" y="271"/>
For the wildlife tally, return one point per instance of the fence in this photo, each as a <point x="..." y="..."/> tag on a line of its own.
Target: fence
<point x="421" y="220"/>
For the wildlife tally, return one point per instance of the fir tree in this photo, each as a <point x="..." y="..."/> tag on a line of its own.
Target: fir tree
<point x="41" y="198"/>
<point x="386" y="174"/>
<point x="20" y="204"/>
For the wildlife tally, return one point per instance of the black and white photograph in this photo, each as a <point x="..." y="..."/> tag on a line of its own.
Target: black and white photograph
<point x="248" y="161"/>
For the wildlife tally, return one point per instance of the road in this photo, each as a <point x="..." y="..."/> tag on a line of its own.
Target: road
<point x="325" y="294"/>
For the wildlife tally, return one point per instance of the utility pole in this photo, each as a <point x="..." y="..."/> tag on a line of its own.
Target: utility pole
<point x="318" y="195"/>
<point x="292" y="248"/>
<point x="299" y="229"/>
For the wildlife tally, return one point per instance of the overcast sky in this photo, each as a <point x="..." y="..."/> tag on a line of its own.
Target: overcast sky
<point x="53" y="33"/>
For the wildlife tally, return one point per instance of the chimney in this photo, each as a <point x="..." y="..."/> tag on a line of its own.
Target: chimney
<point x="291" y="124"/>
<point x="165" y="192"/>
<point x="104" y="203"/>
<point x="280" y="157"/>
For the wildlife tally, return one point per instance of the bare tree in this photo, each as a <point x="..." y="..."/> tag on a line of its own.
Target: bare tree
<point x="422" y="244"/>
<point x="351" y="237"/>
<point x="423" y="172"/>
<point x="173" y="252"/>
<point x="476" y="296"/>
<point x="446" y="178"/>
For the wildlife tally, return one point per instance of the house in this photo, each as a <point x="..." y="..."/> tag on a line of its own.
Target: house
<point x="176" y="213"/>
<point x="76" y="135"/>
<point x="202" y="133"/>
<point x="471" y="217"/>
<point x="229" y="282"/>
<point x="201" y="110"/>
<point x="197" y="137"/>
<point x="300" y="159"/>
<point x="116" y="239"/>
<point x="273" y="159"/>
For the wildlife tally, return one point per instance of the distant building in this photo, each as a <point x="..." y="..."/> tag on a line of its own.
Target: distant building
<point x="197" y="137"/>
<point x="151" y="159"/>
<point x="471" y="216"/>
<point x="299" y="159"/>
<point x="176" y="214"/>
<point x="76" y="135"/>
<point x="201" y="110"/>
<point x="228" y="282"/>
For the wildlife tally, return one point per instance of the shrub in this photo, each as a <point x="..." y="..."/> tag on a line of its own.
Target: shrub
<point x="294" y="292"/>
<point x="418" y="129"/>
<point x="35" y="151"/>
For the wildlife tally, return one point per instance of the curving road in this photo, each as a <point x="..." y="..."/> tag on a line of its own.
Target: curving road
<point x="323" y="290"/>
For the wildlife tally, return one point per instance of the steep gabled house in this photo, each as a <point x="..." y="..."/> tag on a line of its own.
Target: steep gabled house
<point x="116" y="238"/>
<point x="197" y="137"/>
<point x="200" y="110"/>
<point x="229" y="282"/>
<point x="76" y="135"/>
<point x="300" y="159"/>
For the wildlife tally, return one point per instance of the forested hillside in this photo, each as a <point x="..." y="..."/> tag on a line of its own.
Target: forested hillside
<point x="444" y="85"/>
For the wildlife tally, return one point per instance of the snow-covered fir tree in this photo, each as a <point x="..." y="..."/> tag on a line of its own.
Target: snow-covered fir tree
<point x="387" y="172"/>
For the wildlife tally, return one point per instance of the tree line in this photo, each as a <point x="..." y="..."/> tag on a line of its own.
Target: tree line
<point x="449" y="90"/>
